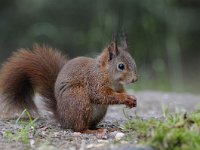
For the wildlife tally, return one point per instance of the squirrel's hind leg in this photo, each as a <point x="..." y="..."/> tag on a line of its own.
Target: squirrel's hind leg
<point x="98" y="113"/>
<point x="74" y="109"/>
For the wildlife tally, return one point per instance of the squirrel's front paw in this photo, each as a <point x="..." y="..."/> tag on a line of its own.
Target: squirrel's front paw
<point x="131" y="101"/>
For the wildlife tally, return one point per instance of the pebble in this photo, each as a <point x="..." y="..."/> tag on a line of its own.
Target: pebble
<point x="92" y="146"/>
<point x="32" y="142"/>
<point x="119" y="136"/>
<point x="113" y="134"/>
<point x="102" y="141"/>
<point x="77" y="134"/>
<point x="57" y="134"/>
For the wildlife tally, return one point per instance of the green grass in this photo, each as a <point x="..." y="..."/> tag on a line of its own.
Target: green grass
<point x="27" y="129"/>
<point x="172" y="132"/>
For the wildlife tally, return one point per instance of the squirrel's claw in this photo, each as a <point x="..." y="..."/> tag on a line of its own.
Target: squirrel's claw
<point x="131" y="101"/>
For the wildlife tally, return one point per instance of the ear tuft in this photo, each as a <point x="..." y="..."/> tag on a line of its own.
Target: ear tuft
<point x="113" y="50"/>
<point x="124" y="41"/>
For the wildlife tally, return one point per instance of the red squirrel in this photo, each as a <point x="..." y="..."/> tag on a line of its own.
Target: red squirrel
<point x="76" y="91"/>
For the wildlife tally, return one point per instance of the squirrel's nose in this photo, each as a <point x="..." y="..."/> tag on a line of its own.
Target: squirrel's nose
<point x="134" y="79"/>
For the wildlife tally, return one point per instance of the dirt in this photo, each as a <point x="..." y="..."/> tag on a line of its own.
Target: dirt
<point x="49" y="135"/>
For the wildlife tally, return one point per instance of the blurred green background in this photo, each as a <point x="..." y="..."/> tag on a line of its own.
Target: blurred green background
<point x="164" y="35"/>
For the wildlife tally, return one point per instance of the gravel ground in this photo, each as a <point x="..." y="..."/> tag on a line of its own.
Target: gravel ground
<point x="49" y="135"/>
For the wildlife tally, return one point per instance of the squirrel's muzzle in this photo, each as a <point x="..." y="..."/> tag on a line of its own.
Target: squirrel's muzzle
<point x="134" y="80"/>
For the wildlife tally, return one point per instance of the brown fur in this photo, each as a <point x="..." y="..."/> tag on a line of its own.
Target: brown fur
<point x="27" y="72"/>
<point x="77" y="91"/>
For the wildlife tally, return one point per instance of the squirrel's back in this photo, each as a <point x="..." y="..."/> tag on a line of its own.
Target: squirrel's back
<point x="27" y="72"/>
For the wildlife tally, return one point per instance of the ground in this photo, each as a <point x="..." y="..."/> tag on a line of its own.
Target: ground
<point x="46" y="134"/>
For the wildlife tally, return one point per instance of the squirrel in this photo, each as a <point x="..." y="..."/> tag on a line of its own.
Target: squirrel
<point x="76" y="91"/>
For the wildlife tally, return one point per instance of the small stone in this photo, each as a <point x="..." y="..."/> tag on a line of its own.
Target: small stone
<point x="56" y="134"/>
<point x="43" y="133"/>
<point x="124" y="142"/>
<point x="102" y="141"/>
<point x="77" y="134"/>
<point x="113" y="134"/>
<point x="32" y="142"/>
<point x="119" y="136"/>
<point x="92" y="146"/>
<point x="65" y="132"/>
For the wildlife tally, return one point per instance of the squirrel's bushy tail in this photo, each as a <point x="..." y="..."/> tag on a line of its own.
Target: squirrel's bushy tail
<point x="28" y="72"/>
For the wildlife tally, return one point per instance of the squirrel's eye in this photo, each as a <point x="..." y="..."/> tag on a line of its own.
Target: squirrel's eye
<point x="121" y="66"/>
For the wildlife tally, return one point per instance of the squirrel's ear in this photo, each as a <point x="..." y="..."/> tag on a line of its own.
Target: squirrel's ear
<point x="113" y="50"/>
<point x="124" y="42"/>
<point x="124" y="45"/>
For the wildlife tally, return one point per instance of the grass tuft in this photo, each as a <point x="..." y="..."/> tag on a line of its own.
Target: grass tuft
<point x="173" y="132"/>
<point x="26" y="129"/>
